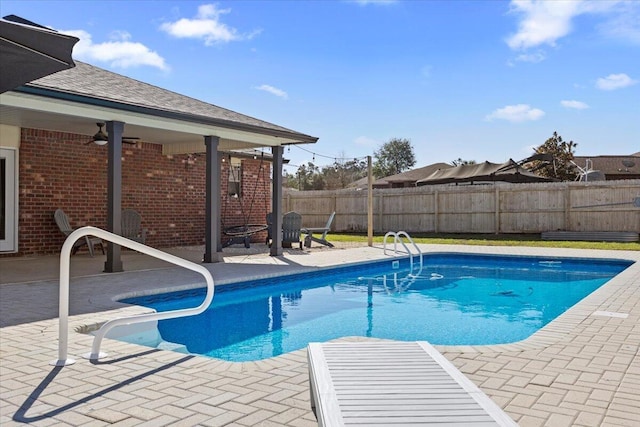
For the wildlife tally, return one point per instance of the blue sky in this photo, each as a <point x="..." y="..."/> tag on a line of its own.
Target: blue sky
<point x="477" y="80"/>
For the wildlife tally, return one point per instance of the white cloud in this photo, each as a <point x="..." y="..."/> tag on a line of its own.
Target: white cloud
<point x="206" y="26"/>
<point x="576" y="105"/>
<point x="531" y="57"/>
<point x="365" y="141"/>
<point x="543" y="22"/>
<point x="516" y="113"/>
<point x="615" y="81"/>
<point x="426" y="71"/>
<point x="119" y="52"/>
<point x="273" y="90"/>
<point x="625" y="24"/>
<point x="374" y="2"/>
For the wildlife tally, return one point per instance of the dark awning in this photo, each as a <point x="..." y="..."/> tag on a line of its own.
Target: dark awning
<point x="483" y="172"/>
<point x="29" y="51"/>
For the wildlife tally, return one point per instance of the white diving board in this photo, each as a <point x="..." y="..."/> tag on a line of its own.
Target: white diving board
<point x="394" y="383"/>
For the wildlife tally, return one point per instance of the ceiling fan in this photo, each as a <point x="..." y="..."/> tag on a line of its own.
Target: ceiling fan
<point x="101" y="138"/>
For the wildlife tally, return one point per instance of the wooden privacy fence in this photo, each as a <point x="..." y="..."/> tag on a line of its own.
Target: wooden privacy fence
<point x="497" y="208"/>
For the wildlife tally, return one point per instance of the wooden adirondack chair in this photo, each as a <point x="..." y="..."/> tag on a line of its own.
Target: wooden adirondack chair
<point x="291" y="223"/>
<point x="62" y="220"/>
<point x="131" y="223"/>
<point x="318" y="230"/>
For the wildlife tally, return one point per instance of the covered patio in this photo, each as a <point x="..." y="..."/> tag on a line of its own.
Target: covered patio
<point x="73" y="101"/>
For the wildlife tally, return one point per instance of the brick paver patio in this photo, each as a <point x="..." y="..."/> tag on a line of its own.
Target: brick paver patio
<point x="583" y="369"/>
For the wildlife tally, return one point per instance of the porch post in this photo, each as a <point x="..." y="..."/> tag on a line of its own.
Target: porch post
<point x="113" y="264"/>
<point x="276" y="202"/>
<point x="212" y="245"/>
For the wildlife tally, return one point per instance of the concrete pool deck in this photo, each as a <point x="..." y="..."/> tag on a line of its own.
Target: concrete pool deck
<point x="583" y="369"/>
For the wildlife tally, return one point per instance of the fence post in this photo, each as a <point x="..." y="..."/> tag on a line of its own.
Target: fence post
<point x="381" y="212"/>
<point x="497" y="210"/>
<point x="435" y="212"/>
<point x="567" y="208"/>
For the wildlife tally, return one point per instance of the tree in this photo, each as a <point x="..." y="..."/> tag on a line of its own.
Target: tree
<point x="394" y="157"/>
<point x="562" y="152"/>
<point x="461" y="162"/>
<point x="307" y="177"/>
<point x="341" y="173"/>
<point x="330" y="177"/>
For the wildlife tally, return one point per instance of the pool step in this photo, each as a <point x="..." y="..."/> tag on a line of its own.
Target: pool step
<point x="172" y="346"/>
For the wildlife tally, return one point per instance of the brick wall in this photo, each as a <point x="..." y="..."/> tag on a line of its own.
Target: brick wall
<point x="59" y="170"/>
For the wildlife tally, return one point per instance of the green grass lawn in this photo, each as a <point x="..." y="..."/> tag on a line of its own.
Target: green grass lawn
<point x="494" y="240"/>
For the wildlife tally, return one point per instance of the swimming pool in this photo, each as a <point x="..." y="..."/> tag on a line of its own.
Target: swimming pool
<point x="457" y="299"/>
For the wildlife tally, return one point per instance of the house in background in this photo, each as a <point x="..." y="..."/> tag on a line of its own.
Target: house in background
<point x="599" y="167"/>
<point x="401" y="180"/>
<point x="444" y="173"/>
<point x="409" y="178"/>
<point x="612" y="167"/>
<point x="176" y="173"/>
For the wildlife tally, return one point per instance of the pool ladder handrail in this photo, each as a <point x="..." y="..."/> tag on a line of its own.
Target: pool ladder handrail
<point x="397" y="237"/>
<point x="65" y="261"/>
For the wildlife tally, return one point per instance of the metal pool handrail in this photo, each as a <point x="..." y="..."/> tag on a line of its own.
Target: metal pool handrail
<point x="65" y="260"/>
<point x="397" y="237"/>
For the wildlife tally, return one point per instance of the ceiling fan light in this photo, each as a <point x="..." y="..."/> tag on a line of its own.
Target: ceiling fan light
<point x="100" y="138"/>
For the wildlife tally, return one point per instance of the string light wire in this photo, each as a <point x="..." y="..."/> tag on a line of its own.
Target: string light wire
<point x="334" y="158"/>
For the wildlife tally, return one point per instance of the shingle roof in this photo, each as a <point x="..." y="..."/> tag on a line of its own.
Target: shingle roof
<point x="612" y="165"/>
<point x="95" y="83"/>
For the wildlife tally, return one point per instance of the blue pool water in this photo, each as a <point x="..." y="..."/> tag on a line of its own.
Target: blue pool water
<point x="456" y="300"/>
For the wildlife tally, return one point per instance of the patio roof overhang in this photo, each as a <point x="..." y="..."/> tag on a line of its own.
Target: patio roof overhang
<point x="29" y="107"/>
<point x="177" y="131"/>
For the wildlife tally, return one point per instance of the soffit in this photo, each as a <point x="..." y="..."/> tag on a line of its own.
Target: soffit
<point x="33" y="111"/>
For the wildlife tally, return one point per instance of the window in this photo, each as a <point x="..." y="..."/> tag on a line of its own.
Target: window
<point x="235" y="177"/>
